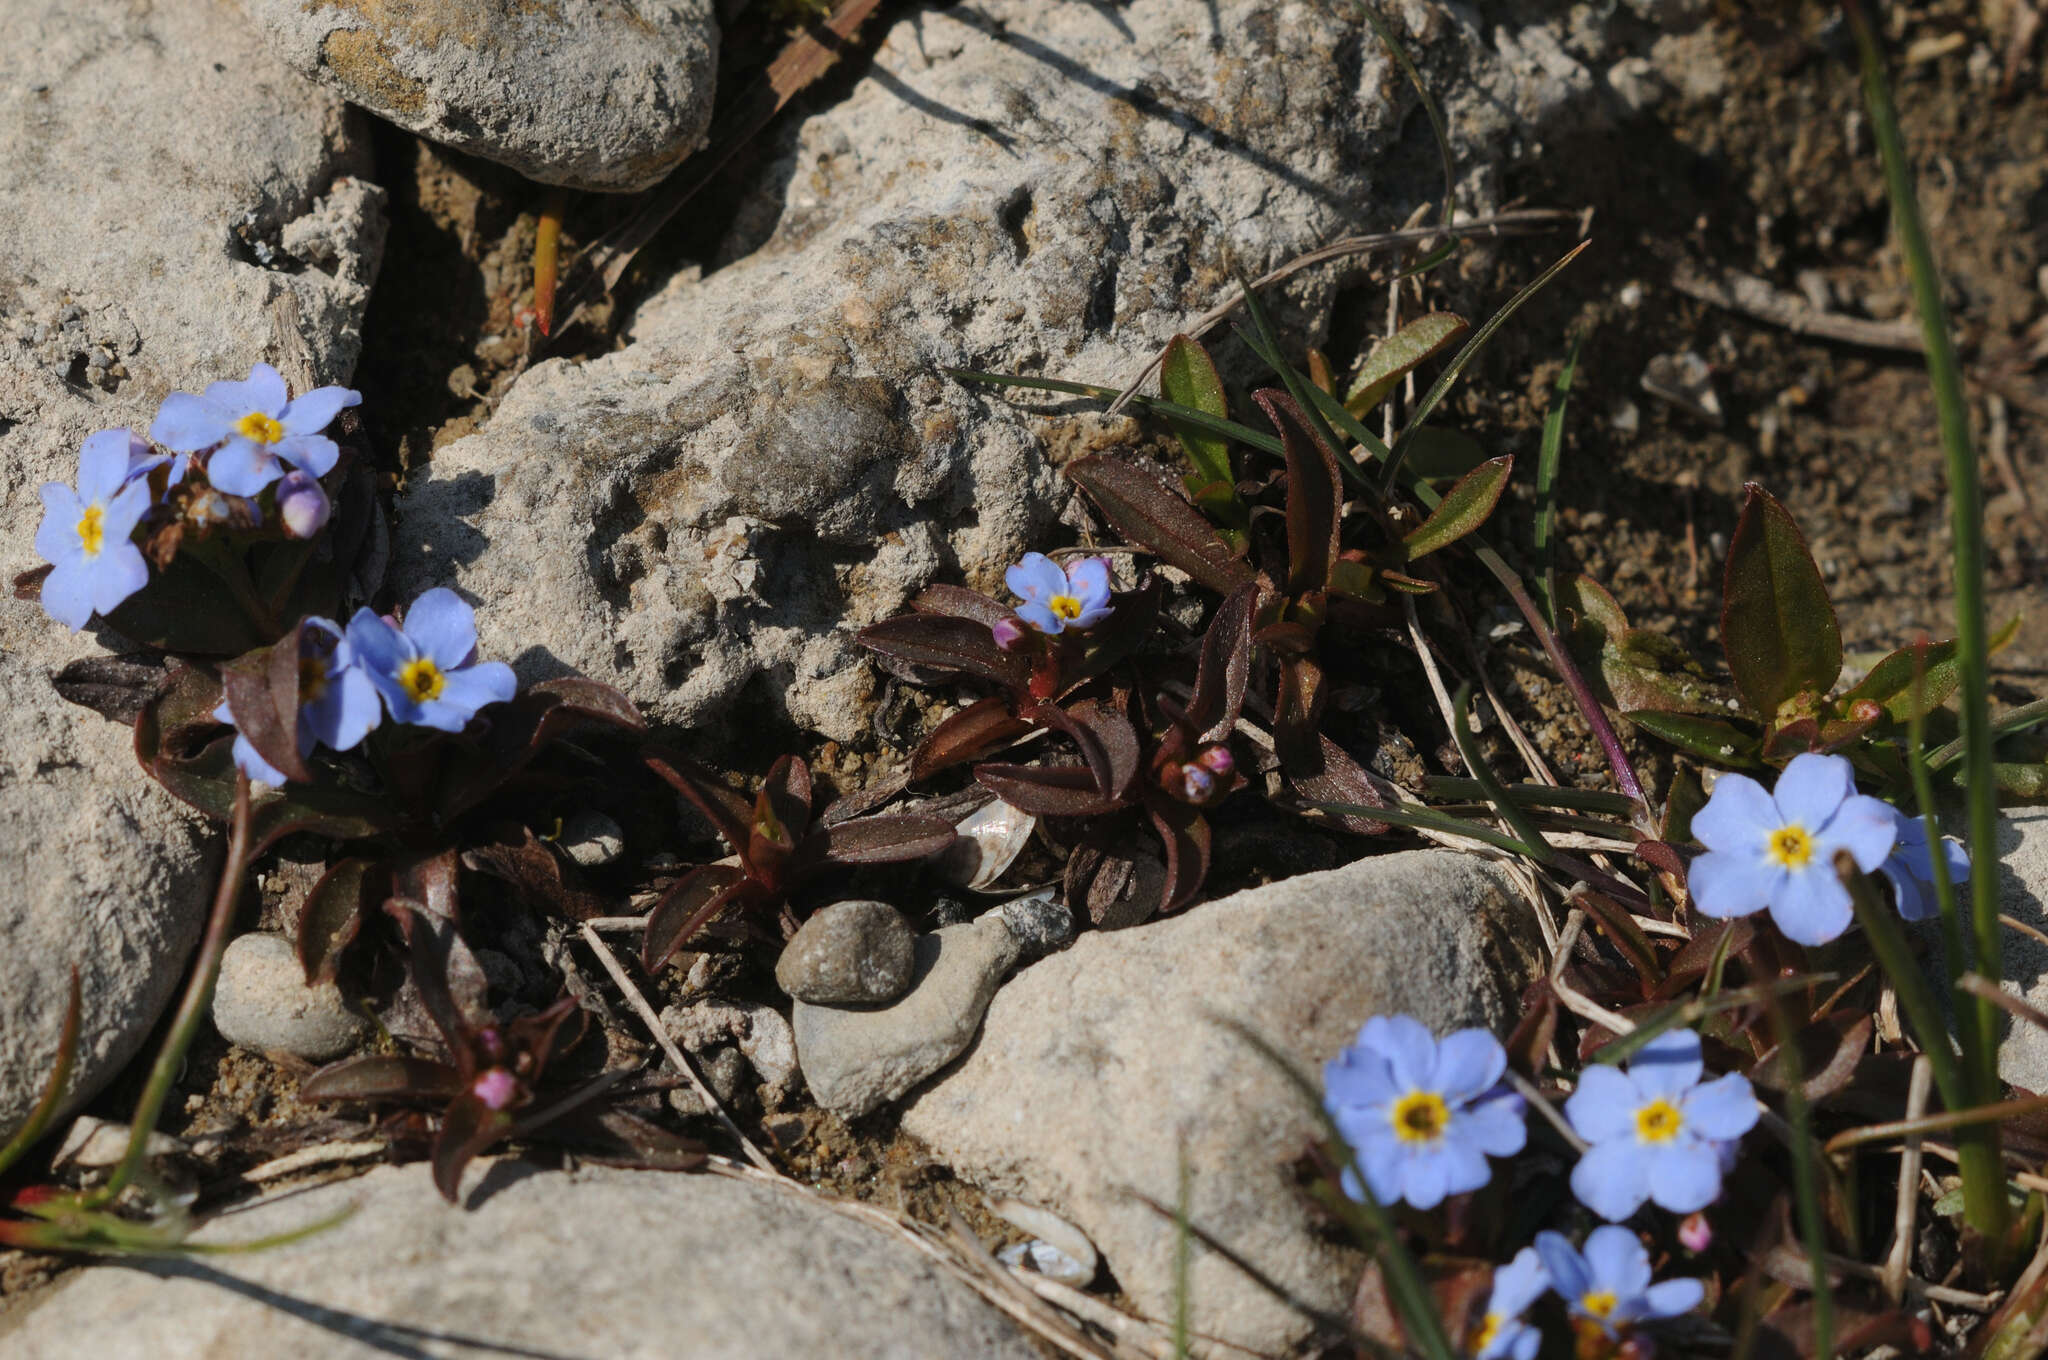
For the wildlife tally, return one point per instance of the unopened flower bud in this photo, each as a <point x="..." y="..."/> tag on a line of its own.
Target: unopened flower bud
<point x="1217" y="760"/>
<point x="1695" y="1233"/>
<point x="495" y="1088"/>
<point x="1196" y="783"/>
<point x="1009" y="633"/>
<point x="1866" y="710"/>
<point x="302" y="504"/>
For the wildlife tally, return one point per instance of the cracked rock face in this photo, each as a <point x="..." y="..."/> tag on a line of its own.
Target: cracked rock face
<point x="776" y="457"/>
<point x="592" y="94"/>
<point x="169" y="184"/>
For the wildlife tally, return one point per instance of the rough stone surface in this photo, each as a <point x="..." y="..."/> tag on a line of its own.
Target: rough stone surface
<point x="2023" y="895"/>
<point x="731" y="1038"/>
<point x="262" y="1002"/>
<point x="167" y="180"/>
<point x="1040" y="921"/>
<point x="849" y="952"/>
<point x="592" y="94"/>
<point x="1096" y="1064"/>
<point x="629" y="1265"/>
<point x="592" y="839"/>
<point x="856" y="1058"/>
<point x="103" y="871"/>
<point x="775" y="458"/>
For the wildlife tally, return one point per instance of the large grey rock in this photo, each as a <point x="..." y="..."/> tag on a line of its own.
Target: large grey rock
<point x="167" y="183"/>
<point x="592" y="94"/>
<point x="855" y="1058"/>
<point x="1097" y="1065"/>
<point x="627" y="1265"/>
<point x="848" y="952"/>
<point x="262" y="1002"/>
<point x="104" y="872"/>
<point x="775" y="458"/>
<point x="2023" y="895"/>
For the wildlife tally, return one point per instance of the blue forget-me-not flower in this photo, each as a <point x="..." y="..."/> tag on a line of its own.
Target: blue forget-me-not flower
<point x="258" y="427"/>
<point x="1502" y="1334"/>
<point x="427" y="669"/>
<point x="1058" y="598"/>
<point x="1910" y="868"/>
<point x="337" y="703"/>
<point x="85" y="533"/>
<point x="1609" y="1283"/>
<point x="1658" y="1132"/>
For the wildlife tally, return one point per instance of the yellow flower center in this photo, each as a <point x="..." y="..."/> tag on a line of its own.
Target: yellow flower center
<point x="90" y="533"/>
<point x="1420" y="1117"/>
<point x="422" y="680"/>
<point x="312" y="679"/>
<point x="1658" y="1122"/>
<point x="1066" y="606"/>
<point x="1598" y="1305"/>
<point x="1489" y="1327"/>
<point x="259" y="427"/>
<point x="1790" y="847"/>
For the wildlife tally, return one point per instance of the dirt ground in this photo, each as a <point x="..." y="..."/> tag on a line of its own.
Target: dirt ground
<point x="1765" y="168"/>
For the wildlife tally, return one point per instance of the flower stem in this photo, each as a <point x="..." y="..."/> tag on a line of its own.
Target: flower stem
<point x="193" y="1008"/>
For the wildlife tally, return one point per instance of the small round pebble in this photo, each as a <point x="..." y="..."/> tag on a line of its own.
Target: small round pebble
<point x="592" y="839"/>
<point x="262" y="1002"/>
<point x="849" y="953"/>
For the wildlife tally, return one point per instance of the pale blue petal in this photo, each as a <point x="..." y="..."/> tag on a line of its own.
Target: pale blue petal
<point x="1088" y="579"/>
<point x="125" y="511"/>
<point x="1617" y="1261"/>
<point x="1728" y="883"/>
<point x="1468" y="1063"/>
<point x="1811" y="906"/>
<point x="57" y="535"/>
<point x="316" y="454"/>
<point x="1914" y="903"/>
<point x="344" y="715"/>
<point x="1723" y="1108"/>
<point x="472" y="687"/>
<point x="263" y="390"/>
<point x="102" y="464"/>
<point x="119" y="573"/>
<point x="1812" y="788"/>
<point x="1737" y="818"/>
<point x="1357" y="1076"/>
<point x="67" y="593"/>
<point x="1604" y="1105"/>
<point x="1684" y="1175"/>
<point x="1036" y="578"/>
<point x="187" y="424"/>
<point x="1612" y="1179"/>
<point x="1426" y="1178"/>
<point x="313" y="412"/>
<point x="1561" y="1260"/>
<point x="254" y="765"/>
<point x="1518" y="1284"/>
<point x="1958" y="861"/>
<point x="443" y="627"/>
<point x="1465" y="1166"/>
<point x="1088" y="618"/>
<point x="242" y="468"/>
<point x="1041" y="618"/>
<point x="1527" y="1343"/>
<point x="1668" y="1066"/>
<point x="375" y="645"/>
<point x="1865" y="827"/>
<point x="1672" y="1298"/>
<point x="1383" y="1175"/>
<point x="1498" y="1126"/>
<point x="1406" y="1044"/>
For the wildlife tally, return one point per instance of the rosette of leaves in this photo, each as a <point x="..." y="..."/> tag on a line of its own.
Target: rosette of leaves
<point x="1783" y="648"/>
<point x="409" y="805"/>
<point x="779" y="847"/>
<point x="486" y="1080"/>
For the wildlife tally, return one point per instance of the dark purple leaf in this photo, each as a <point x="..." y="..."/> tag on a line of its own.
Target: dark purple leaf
<point x="973" y="732"/>
<point x="28" y="585"/>
<point x="1225" y="666"/>
<point x="690" y="904"/>
<point x="1047" y="790"/>
<point x="332" y="914"/>
<point x="947" y="645"/>
<point x="507" y="737"/>
<point x="615" y="1137"/>
<point x="1330" y="776"/>
<point x="1153" y="516"/>
<point x="1777" y="625"/>
<point x="262" y="691"/>
<point x="1829" y="1051"/>
<point x="730" y="813"/>
<point x="1186" y="834"/>
<point x="383" y="1077"/>
<point x="1298" y="712"/>
<point x="468" y="1127"/>
<point x="782" y="816"/>
<point x="1315" y="493"/>
<point x="1463" y="509"/>
<point x="115" y="687"/>
<point x="536" y="875"/>
<point x="1134" y="623"/>
<point x="187" y="610"/>
<point x="958" y="602"/>
<point x="890" y="838"/>
<point x="1108" y="743"/>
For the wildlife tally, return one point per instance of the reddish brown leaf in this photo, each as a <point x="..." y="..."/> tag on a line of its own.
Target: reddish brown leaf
<point x="1154" y="516"/>
<point x="690" y="904"/>
<point x="975" y="731"/>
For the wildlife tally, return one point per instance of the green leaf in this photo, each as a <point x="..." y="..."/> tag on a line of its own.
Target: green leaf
<point x="1548" y="459"/>
<point x="1710" y="739"/>
<point x="1187" y="376"/>
<point x="1395" y="357"/>
<point x="1890" y="681"/>
<point x="1777" y="625"/>
<point x="1464" y="509"/>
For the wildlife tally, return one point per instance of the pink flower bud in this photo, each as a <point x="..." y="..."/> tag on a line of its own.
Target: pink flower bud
<point x="1695" y="1233"/>
<point x="302" y="504"/>
<point x="1009" y="633"/>
<point x="495" y="1088"/>
<point x="1217" y="760"/>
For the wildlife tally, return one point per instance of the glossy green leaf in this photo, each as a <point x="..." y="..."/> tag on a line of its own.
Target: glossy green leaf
<point x="1710" y="739"/>
<point x="1188" y="377"/>
<point x="1465" y="507"/>
<point x="1395" y="357"/>
<point x="1777" y="625"/>
<point x="1891" y="684"/>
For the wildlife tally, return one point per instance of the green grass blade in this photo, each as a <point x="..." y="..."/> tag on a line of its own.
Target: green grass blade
<point x="1548" y="457"/>
<point x="1532" y="795"/>
<point x="1986" y="1210"/>
<point x="1806" y="1185"/>
<point x="1267" y="347"/>
<point x="1510" y="811"/>
<point x="1189" y="415"/>
<point x="1429" y="104"/>
<point x="1462" y="360"/>
<point x="2012" y="720"/>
